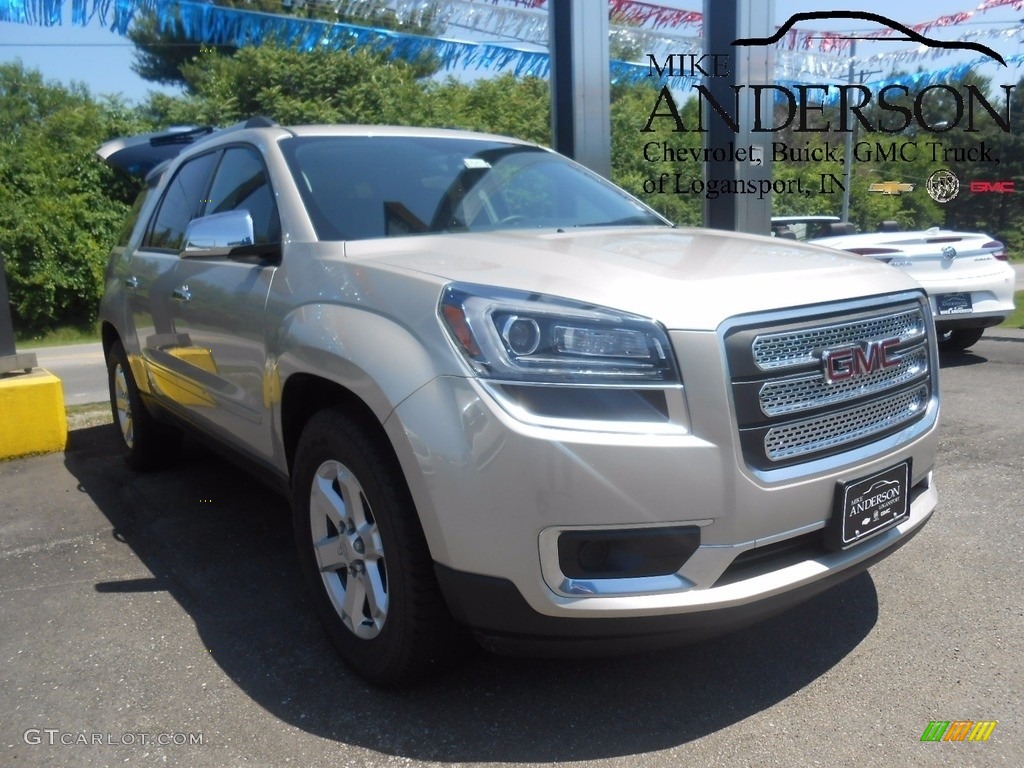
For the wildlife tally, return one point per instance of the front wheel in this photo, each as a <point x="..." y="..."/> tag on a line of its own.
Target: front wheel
<point x="364" y="555"/>
<point x="959" y="339"/>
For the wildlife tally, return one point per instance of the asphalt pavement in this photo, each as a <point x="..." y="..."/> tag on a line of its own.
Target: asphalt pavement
<point x="161" y="618"/>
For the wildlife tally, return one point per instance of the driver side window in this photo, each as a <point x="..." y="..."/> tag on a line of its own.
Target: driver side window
<point x="182" y="200"/>
<point x="241" y="183"/>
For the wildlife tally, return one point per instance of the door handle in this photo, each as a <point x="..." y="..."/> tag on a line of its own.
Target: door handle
<point x="131" y="282"/>
<point x="181" y="294"/>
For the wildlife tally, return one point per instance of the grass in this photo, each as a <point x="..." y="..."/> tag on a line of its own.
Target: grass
<point x="91" y="415"/>
<point x="65" y="334"/>
<point x="1016" y="320"/>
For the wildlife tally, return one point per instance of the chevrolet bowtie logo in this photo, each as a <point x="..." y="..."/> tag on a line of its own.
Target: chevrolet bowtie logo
<point x="891" y="187"/>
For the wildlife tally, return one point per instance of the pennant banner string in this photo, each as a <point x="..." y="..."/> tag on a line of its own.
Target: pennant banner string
<point x="203" y="22"/>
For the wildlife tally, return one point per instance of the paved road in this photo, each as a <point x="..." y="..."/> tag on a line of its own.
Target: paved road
<point x="171" y="603"/>
<point x="81" y="369"/>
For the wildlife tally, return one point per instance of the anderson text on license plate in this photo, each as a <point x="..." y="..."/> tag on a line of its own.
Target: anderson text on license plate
<point x="954" y="303"/>
<point x="870" y="505"/>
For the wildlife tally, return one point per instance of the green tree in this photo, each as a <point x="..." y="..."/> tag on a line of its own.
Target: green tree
<point x="631" y="106"/>
<point x="60" y="206"/>
<point x="998" y="214"/>
<point x="163" y="51"/>
<point x="292" y="87"/>
<point x="507" y="105"/>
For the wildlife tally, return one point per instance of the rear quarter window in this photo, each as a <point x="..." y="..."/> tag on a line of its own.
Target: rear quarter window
<point x="132" y="218"/>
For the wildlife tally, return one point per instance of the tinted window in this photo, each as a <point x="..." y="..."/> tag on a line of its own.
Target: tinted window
<point x="133" y="216"/>
<point x="183" y="199"/>
<point x="241" y="183"/>
<point x="359" y="187"/>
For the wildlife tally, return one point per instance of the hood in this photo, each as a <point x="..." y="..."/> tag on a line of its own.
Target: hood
<point x="684" y="278"/>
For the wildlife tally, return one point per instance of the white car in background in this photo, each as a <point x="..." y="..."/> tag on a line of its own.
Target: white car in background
<point x="966" y="276"/>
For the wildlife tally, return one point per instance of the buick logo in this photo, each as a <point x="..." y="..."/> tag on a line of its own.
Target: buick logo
<point x="846" y="363"/>
<point x="949" y="253"/>
<point x="942" y="186"/>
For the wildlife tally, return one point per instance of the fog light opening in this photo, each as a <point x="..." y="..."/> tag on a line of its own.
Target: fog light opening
<point x="593" y="555"/>
<point x="626" y="553"/>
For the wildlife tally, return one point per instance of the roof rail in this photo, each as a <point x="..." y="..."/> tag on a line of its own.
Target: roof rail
<point x="260" y="121"/>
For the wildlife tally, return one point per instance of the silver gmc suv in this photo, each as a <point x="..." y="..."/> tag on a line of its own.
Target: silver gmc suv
<point x="503" y="395"/>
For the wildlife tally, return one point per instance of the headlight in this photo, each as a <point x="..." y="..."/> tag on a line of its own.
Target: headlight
<point x="516" y="336"/>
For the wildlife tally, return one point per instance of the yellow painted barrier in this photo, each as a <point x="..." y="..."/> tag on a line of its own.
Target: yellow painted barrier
<point x="32" y="417"/>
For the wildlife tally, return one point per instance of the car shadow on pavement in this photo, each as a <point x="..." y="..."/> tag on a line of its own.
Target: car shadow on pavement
<point x="959" y="359"/>
<point x="218" y="543"/>
<point x="997" y="337"/>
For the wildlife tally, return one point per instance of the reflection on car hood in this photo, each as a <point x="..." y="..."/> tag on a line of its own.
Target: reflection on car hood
<point x="685" y="278"/>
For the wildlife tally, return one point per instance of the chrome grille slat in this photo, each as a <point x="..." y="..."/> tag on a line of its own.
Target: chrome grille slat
<point x="778" y="398"/>
<point x="787" y="409"/>
<point x="835" y="429"/>
<point x="789" y="349"/>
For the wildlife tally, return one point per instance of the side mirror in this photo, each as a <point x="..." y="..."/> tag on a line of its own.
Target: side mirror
<point x="220" y="234"/>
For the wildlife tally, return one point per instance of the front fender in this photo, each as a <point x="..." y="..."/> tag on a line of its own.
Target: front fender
<point x="380" y="361"/>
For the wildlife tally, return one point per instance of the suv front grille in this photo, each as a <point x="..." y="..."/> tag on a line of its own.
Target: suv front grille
<point x="791" y="348"/>
<point x="814" y="435"/>
<point x="787" y="408"/>
<point x="791" y="395"/>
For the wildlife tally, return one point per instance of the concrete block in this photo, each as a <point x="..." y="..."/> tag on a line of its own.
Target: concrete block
<point x="32" y="417"/>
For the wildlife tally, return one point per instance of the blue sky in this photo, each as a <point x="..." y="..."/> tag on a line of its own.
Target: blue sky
<point x="102" y="59"/>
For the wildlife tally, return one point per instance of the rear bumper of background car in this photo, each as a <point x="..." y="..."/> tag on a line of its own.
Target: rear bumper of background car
<point x="991" y="296"/>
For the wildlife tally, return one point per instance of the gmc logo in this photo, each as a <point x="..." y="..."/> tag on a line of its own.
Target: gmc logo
<point x="864" y="358"/>
<point x="992" y="186"/>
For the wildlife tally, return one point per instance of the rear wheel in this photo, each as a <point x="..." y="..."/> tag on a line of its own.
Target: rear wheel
<point x="959" y="339"/>
<point x="145" y="442"/>
<point x="364" y="555"/>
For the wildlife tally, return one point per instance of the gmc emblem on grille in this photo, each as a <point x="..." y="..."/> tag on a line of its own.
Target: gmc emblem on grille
<point x="867" y="357"/>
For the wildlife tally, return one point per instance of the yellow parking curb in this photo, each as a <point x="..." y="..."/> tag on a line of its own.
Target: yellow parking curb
<point x="32" y="417"/>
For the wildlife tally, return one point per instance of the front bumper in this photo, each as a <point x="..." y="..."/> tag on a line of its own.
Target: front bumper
<point x="505" y="623"/>
<point x="493" y="493"/>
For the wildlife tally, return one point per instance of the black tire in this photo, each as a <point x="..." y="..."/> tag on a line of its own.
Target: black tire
<point x="371" y="577"/>
<point x="959" y="339"/>
<point x="145" y="442"/>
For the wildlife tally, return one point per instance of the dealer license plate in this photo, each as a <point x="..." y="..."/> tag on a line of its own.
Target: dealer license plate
<point x="954" y="303"/>
<point x="868" y="506"/>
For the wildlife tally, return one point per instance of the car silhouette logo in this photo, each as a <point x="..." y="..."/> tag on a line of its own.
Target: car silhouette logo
<point x="881" y="485"/>
<point x="911" y="35"/>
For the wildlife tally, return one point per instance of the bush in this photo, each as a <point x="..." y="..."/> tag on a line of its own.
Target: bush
<point x="60" y="206"/>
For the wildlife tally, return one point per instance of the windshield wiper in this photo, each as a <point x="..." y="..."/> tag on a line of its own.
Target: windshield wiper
<point x="629" y="221"/>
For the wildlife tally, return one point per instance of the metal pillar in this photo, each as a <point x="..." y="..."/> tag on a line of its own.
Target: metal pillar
<point x="848" y="148"/>
<point x="749" y="65"/>
<point x="10" y="360"/>
<point x="580" y="82"/>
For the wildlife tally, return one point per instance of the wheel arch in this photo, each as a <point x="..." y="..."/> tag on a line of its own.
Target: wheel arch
<point x="306" y="394"/>
<point x="108" y="336"/>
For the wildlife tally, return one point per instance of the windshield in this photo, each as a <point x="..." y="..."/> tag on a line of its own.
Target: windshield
<point x="361" y="187"/>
